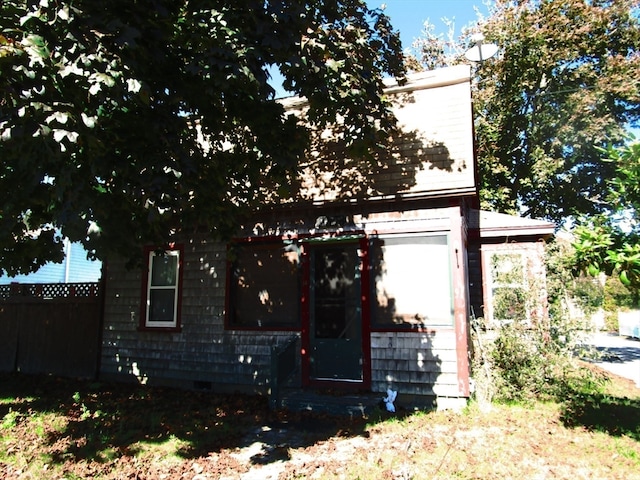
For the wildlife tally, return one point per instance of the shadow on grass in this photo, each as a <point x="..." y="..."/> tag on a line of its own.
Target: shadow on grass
<point x="108" y="420"/>
<point x="600" y="412"/>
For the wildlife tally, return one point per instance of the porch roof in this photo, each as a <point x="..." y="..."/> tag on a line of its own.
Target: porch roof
<point x="493" y="224"/>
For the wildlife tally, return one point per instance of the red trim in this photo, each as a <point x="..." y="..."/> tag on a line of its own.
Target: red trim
<point x="365" y="289"/>
<point x="227" y="290"/>
<point x="460" y="311"/>
<point x="305" y="293"/>
<point x="365" y="312"/>
<point x="142" y="326"/>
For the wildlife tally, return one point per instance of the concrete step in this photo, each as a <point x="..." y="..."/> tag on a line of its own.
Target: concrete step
<point x="353" y="405"/>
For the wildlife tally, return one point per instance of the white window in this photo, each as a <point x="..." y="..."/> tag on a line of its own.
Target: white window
<point x="508" y="287"/>
<point x="163" y="289"/>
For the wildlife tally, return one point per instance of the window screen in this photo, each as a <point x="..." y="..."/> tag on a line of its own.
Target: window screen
<point x="265" y="287"/>
<point x="411" y="282"/>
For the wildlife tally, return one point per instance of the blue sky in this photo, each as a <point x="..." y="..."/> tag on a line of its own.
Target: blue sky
<point x="408" y="16"/>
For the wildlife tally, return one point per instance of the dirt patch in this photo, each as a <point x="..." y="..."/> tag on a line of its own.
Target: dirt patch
<point x="53" y="428"/>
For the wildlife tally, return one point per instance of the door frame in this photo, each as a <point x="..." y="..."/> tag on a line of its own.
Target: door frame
<point x="365" y="291"/>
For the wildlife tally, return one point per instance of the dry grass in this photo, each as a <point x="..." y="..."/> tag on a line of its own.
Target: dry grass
<point x="55" y="428"/>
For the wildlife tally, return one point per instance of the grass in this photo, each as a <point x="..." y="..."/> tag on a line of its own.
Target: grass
<point x="60" y="428"/>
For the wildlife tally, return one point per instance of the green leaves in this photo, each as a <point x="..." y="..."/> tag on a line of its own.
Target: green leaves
<point x="610" y="243"/>
<point x="124" y="123"/>
<point x="557" y="91"/>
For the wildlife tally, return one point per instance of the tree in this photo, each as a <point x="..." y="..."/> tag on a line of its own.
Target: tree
<point x="610" y="242"/>
<point x="129" y="122"/>
<point x="562" y="86"/>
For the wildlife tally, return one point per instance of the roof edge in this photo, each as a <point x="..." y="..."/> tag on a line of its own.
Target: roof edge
<point x="440" y="77"/>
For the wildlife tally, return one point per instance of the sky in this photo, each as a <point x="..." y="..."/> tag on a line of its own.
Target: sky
<point x="408" y="16"/>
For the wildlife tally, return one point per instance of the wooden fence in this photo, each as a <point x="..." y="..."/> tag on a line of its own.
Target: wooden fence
<point x="51" y="328"/>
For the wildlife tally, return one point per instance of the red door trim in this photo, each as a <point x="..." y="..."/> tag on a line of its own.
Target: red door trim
<point x="365" y="312"/>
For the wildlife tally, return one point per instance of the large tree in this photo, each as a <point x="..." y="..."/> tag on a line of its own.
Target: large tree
<point x="130" y="121"/>
<point x="563" y="85"/>
<point x="610" y="242"/>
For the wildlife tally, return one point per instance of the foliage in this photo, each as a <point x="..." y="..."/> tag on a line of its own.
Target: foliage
<point x="531" y="364"/>
<point x="526" y="360"/>
<point x="559" y="89"/>
<point x="125" y="122"/>
<point x="617" y="295"/>
<point x="610" y="242"/>
<point x="604" y="413"/>
<point x="558" y="270"/>
<point x="589" y="294"/>
<point x="150" y="432"/>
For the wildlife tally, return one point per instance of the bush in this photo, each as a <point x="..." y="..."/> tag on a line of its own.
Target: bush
<point x="529" y="364"/>
<point x="535" y="359"/>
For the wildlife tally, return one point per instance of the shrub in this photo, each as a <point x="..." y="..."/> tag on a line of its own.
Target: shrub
<point x="529" y="364"/>
<point x="534" y="359"/>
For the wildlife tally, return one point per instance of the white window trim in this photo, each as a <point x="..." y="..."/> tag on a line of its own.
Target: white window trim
<point x="492" y="285"/>
<point x="176" y="288"/>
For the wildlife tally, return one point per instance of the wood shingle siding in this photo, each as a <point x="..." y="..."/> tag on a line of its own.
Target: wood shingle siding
<point x="358" y="227"/>
<point x="415" y="363"/>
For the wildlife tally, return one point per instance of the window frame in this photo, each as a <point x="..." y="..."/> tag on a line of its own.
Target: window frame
<point x="261" y="243"/>
<point x="162" y="326"/>
<point x="494" y="284"/>
<point x="377" y="326"/>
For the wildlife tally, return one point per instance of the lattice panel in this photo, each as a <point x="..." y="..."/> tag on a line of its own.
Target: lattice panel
<point x="5" y="291"/>
<point x="50" y="290"/>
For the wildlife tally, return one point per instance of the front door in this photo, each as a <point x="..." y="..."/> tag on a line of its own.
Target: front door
<point x="335" y="333"/>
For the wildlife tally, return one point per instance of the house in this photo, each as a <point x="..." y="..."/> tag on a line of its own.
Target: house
<point x="506" y="258"/>
<point x="75" y="268"/>
<point x="371" y="283"/>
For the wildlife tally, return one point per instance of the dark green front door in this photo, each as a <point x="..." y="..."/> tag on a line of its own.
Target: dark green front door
<point x="335" y="316"/>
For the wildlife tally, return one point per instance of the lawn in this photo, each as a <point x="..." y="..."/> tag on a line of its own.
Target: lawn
<point x="60" y="428"/>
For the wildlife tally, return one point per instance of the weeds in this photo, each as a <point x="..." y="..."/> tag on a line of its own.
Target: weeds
<point x="10" y="420"/>
<point x="528" y="365"/>
<point x="164" y="433"/>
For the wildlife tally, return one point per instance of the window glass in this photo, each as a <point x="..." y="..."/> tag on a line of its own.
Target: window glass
<point x="264" y="289"/>
<point x="508" y="287"/>
<point x="164" y="270"/>
<point x="411" y="282"/>
<point x="161" y="308"/>
<point x="161" y="305"/>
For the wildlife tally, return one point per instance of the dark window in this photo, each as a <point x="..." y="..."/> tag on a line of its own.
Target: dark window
<point x="264" y="285"/>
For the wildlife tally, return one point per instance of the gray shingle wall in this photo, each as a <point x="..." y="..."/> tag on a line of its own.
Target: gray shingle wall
<point x="415" y="363"/>
<point x="203" y="352"/>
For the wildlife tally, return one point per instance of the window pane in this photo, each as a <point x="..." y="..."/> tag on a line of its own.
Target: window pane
<point x="412" y="282"/>
<point x="509" y="303"/>
<point x="164" y="270"/>
<point x="508" y="287"/>
<point x="264" y="285"/>
<point x="507" y="269"/>
<point x="162" y="305"/>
